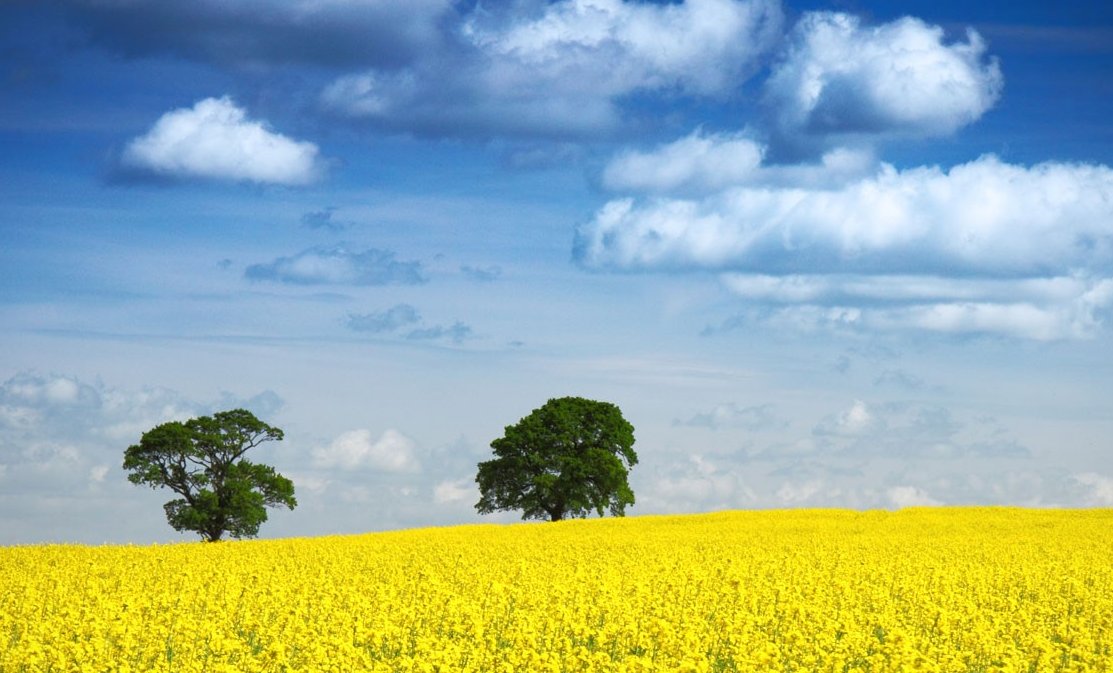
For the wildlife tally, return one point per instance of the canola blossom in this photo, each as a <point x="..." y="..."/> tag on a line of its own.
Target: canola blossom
<point x="949" y="589"/>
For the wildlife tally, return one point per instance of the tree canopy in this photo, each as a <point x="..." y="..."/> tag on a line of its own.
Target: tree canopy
<point x="565" y="459"/>
<point x="202" y="461"/>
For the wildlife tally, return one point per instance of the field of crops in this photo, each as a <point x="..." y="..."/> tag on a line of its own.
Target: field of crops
<point x="923" y="589"/>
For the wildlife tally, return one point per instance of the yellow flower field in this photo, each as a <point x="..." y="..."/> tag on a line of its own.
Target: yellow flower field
<point x="962" y="589"/>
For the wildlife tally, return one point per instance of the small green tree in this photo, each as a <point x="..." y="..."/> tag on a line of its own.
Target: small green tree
<point x="566" y="459"/>
<point x="202" y="461"/>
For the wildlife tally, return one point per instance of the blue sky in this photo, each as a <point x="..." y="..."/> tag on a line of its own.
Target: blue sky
<point x="826" y="254"/>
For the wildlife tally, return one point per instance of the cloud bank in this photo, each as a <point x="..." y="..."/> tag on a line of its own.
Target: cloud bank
<point x="811" y="231"/>
<point x="983" y="218"/>
<point x="216" y="140"/>
<point x="984" y="246"/>
<point x="61" y="442"/>
<point x="567" y="69"/>
<point x="561" y="69"/>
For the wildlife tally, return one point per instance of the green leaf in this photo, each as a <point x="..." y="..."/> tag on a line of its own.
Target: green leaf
<point x="202" y="461"/>
<point x="567" y="458"/>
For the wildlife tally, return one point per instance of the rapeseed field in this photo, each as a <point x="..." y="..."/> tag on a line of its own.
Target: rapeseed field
<point x="950" y="589"/>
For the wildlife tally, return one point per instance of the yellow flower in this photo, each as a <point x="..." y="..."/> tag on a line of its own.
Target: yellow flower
<point x="917" y="590"/>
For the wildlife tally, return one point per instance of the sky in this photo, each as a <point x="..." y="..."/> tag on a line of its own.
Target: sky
<point x="821" y="254"/>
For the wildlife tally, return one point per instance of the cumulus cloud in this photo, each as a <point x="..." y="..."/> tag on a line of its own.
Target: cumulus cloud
<point x="696" y="163"/>
<point x="793" y="493"/>
<point x="260" y="33"/>
<point x="692" y="485"/>
<point x="910" y="496"/>
<point x="702" y="164"/>
<point x="1100" y="488"/>
<point x="216" y="140"/>
<point x="455" y="491"/>
<point x="56" y="409"/>
<point x="339" y="265"/>
<point x="839" y="78"/>
<point x="54" y="415"/>
<point x="517" y="68"/>
<point x="1078" y="316"/>
<point x="984" y="247"/>
<point x="1041" y="309"/>
<point x="982" y="218"/>
<point x="854" y="422"/>
<point x="559" y="69"/>
<point x="843" y="241"/>
<point x="391" y="452"/>
<point x="62" y="440"/>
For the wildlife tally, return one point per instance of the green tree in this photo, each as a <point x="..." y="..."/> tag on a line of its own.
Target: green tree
<point x="565" y="459"/>
<point x="202" y="461"/>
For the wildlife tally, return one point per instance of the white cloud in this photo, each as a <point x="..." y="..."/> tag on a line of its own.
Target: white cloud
<point x="836" y="288"/>
<point x="1073" y="320"/>
<point x="339" y="265"/>
<point x="695" y="161"/>
<point x="614" y="47"/>
<point x="984" y="247"/>
<point x="26" y="391"/>
<point x="308" y="482"/>
<point x="693" y="484"/>
<point x="391" y="452"/>
<point x="558" y="69"/>
<point x="982" y="218"/>
<point x="1100" y="487"/>
<point x="838" y="77"/>
<point x="1040" y="309"/>
<point x="707" y="163"/>
<point x="216" y="140"/>
<point x="59" y="437"/>
<point x="910" y="496"/>
<point x="854" y="422"/>
<point x="453" y="491"/>
<point x="53" y="417"/>
<point x="791" y="493"/>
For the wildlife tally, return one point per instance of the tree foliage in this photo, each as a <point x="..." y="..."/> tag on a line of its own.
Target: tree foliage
<point x="202" y="461"/>
<point x="565" y="459"/>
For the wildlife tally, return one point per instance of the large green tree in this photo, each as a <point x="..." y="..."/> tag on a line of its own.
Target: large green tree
<point x="202" y="461"/>
<point x="566" y="459"/>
